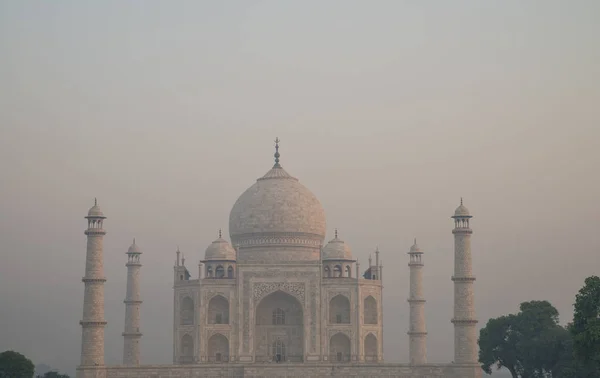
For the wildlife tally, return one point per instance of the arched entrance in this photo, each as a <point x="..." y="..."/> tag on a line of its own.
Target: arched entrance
<point x="339" y="348"/>
<point x="186" y="353"/>
<point x="279" y="329"/>
<point x="371" y="348"/>
<point x="218" y="348"/>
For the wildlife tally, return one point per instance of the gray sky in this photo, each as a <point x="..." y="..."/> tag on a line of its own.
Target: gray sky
<point x="388" y="111"/>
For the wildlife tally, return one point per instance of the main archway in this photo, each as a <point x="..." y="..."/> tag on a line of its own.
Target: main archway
<point x="279" y="329"/>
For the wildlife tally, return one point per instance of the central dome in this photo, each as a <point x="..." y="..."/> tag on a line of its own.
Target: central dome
<point x="277" y="211"/>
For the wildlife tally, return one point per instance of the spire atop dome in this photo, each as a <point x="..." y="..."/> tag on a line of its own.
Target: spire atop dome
<point x="277" y="165"/>
<point x="220" y="234"/>
<point x="336" y="233"/>
<point x="461" y="211"/>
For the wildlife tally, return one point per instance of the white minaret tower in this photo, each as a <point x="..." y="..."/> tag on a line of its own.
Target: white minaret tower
<point x="417" y="332"/>
<point x="93" y="323"/>
<point x="132" y="335"/>
<point x="465" y="332"/>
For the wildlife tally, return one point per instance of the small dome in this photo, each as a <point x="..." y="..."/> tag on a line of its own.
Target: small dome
<point x="95" y="211"/>
<point x="337" y="249"/>
<point x="415" y="248"/>
<point x="134" y="248"/>
<point x="220" y="249"/>
<point x="461" y="211"/>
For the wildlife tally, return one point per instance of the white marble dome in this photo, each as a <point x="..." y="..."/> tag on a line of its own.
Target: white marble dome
<point x="95" y="211"/>
<point x="134" y="248"/>
<point x="277" y="210"/>
<point x="220" y="249"/>
<point x="337" y="249"/>
<point x="415" y="248"/>
<point x="462" y="211"/>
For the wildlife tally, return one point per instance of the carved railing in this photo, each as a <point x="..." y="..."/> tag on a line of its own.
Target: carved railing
<point x="186" y="360"/>
<point x="340" y="357"/>
<point x="216" y="359"/>
<point x="279" y="358"/>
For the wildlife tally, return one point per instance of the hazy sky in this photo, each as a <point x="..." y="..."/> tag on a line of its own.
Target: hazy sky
<point x="389" y="111"/>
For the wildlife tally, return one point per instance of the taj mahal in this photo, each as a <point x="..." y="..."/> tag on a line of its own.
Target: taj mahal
<point x="277" y="300"/>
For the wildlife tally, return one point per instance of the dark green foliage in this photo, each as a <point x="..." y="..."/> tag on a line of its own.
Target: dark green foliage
<point x="586" y="327"/>
<point x="530" y="344"/>
<point x="53" y="374"/>
<point x="15" y="365"/>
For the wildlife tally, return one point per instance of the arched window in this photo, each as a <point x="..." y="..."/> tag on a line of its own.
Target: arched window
<point x="209" y="271"/>
<point x="327" y="271"/>
<point x="339" y="310"/>
<point x="218" y="310"/>
<point x="220" y="272"/>
<point x="370" y="310"/>
<point x="230" y="272"/>
<point x="279" y="352"/>
<point x="337" y="271"/>
<point x="348" y="271"/>
<point x="187" y="311"/>
<point x="278" y="317"/>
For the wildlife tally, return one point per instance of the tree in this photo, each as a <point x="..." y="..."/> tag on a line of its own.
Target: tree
<point x="530" y="344"/>
<point x="586" y="327"/>
<point x="498" y="345"/>
<point x="13" y="364"/>
<point x="53" y="374"/>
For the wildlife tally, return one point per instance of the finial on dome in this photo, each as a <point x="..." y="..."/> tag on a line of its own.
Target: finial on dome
<point x="277" y="153"/>
<point x="95" y="201"/>
<point x="220" y="234"/>
<point x="133" y="240"/>
<point x="336" y="233"/>
<point x="461" y="201"/>
<point x="415" y="241"/>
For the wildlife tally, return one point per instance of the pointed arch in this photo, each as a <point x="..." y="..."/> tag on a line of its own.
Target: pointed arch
<point x="339" y="348"/>
<point x="187" y="311"/>
<point x="220" y="272"/>
<point x="327" y="271"/>
<point x="337" y="271"/>
<point x="230" y="272"/>
<point x="186" y="353"/>
<point x="370" y="310"/>
<point x="371" y="349"/>
<point x="218" y="348"/>
<point x="218" y="310"/>
<point x="339" y="310"/>
<point x="279" y="318"/>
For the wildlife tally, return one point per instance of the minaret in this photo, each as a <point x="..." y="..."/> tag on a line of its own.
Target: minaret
<point x="131" y="334"/>
<point x="93" y="323"/>
<point x="465" y="332"/>
<point x="417" y="332"/>
<point x="377" y="267"/>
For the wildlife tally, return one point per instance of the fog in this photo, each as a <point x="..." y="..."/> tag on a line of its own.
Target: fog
<point x="388" y="111"/>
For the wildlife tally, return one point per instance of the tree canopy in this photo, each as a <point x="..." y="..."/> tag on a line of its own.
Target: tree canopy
<point x="53" y="374"/>
<point x="586" y="327"/>
<point x="13" y="364"/>
<point x="529" y="344"/>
